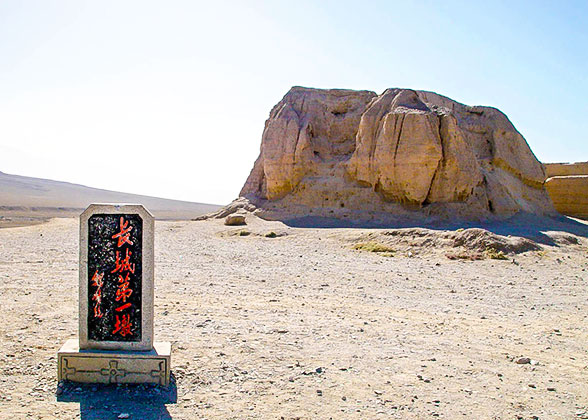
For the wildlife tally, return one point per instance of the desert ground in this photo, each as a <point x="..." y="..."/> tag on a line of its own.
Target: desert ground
<point x="269" y="321"/>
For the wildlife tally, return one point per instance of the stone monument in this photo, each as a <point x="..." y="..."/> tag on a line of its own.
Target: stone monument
<point x="115" y="342"/>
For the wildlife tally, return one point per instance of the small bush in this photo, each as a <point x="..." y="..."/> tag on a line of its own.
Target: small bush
<point x="244" y="233"/>
<point x="473" y="256"/>
<point x="271" y="235"/>
<point x="495" y="255"/>
<point x="373" y="247"/>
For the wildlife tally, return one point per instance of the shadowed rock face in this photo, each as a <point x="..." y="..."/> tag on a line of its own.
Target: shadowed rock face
<point x="361" y="156"/>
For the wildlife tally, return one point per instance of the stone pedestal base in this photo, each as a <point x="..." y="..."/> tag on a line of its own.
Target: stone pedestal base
<point x="114" y="366"/>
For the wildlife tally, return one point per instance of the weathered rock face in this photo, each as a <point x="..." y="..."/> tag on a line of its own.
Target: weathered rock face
<point x="308" y="127"/>
<point x="359" y="156"/>
<point x="567" y="185"/>
<point x="411" y="154"/>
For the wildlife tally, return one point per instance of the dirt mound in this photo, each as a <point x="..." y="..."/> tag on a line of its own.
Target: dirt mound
<point x="476" y="239"/>
<point x="241" y="205"/>
<point x="473" y="243"/>
<point x="563" y="238"/>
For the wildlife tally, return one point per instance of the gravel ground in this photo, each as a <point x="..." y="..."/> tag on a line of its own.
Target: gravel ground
<point x="301" y="325"/>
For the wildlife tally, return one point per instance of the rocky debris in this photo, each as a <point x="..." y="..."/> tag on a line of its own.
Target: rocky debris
<point x="240" y="205"/>
<point x="235" y="220"/>
<point x="461" y="244"/>
<point x="564" y="238"/>
<point x="59" y="389"/>
<point x="523" y="361"/>
<point x="360" y="156"/>
<point x="482" y="240"/>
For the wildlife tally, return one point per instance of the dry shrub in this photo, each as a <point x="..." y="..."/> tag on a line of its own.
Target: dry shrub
<point x="373" y="246"/>
<point x="496" y="255"/>
<point x="471" y="256"/>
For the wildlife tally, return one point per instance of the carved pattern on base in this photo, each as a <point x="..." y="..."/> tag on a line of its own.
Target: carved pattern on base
<point x="115" y="370"/>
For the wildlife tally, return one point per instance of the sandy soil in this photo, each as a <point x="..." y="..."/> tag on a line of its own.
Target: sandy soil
<point x="302" y="325"/>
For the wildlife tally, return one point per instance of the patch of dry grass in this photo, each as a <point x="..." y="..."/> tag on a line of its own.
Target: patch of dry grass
<point x="495" y="255"/>
<point x="471" y="256"/>
<point x="373" y="246"/>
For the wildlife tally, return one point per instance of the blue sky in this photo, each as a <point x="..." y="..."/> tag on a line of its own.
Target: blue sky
<point x="170" y="98"/>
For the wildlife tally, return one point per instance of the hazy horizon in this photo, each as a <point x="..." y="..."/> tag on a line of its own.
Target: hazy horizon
<point x="170" y="101"/>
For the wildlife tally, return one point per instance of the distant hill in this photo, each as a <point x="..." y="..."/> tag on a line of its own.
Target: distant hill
<point x="37" y="198"/>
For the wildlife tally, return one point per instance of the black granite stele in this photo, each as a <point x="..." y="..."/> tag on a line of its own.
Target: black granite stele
<point x="102" y="248"/>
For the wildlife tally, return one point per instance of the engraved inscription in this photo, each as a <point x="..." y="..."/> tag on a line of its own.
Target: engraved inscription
<point x="115" y="277"/>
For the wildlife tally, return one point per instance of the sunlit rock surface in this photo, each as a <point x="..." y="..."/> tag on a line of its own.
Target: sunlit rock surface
<point x="359" y="156"/>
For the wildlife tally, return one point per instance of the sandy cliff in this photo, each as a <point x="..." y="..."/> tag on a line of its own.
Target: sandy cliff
<point x="356" y="155"/>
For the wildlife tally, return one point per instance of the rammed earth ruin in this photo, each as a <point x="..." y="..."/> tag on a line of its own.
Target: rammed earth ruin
<point x="357" y="155"/>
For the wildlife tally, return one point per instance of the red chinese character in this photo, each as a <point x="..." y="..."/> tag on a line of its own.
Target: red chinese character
<point x="123" y="307"/>
<point x="125" y="264"/>
<point x="97" y="311"/>
<point x="125" y="233"/>
<point x="97" y="297"/>
<point x="123" y="326"/>
<point x="97" y="279"/>
<point x="123" y="291"/>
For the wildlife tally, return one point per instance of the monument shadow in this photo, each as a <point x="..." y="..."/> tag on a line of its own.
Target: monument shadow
<point x="102" y="401"/>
